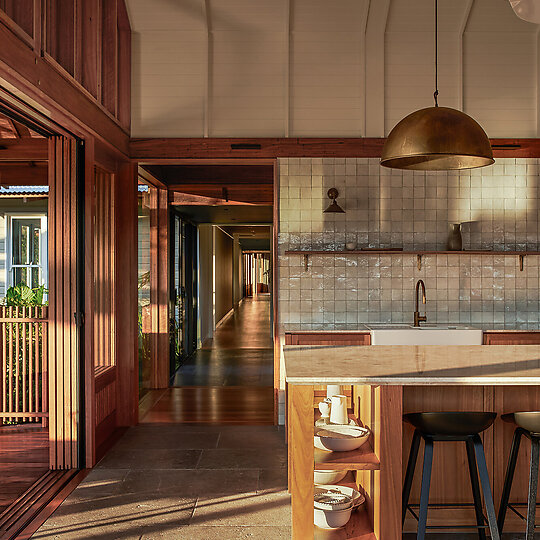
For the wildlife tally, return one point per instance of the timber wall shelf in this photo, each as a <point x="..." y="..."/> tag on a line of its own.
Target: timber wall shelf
<point x="362" y="459"/>
<point x="419" y="253"/>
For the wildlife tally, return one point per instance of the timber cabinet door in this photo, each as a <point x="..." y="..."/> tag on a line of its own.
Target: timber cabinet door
<point x="511" y="338"/>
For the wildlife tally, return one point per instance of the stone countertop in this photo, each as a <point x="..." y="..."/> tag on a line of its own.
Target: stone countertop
<point x="414" y="365"/>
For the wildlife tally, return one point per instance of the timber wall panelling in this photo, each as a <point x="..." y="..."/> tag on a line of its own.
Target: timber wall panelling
<point x="64" y="416"/>
<point x="73" y="58"/>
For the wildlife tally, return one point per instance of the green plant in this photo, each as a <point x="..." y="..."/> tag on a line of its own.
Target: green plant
<point x="23" y="295"/>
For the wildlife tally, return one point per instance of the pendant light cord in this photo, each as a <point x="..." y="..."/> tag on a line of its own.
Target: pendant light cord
<point x="436" y="93"/>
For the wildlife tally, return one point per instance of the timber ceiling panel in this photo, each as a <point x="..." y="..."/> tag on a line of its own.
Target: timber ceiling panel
<point x="216" y="184"/>
<point x="225" y="215"/>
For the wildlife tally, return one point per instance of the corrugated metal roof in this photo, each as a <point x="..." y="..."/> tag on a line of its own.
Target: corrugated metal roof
<point x="23" y="191"/>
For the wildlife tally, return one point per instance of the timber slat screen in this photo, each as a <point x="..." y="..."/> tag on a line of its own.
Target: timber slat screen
<point x="24" y="360"/>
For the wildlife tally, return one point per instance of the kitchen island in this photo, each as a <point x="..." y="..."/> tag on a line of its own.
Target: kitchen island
<point x="386" y="382"/>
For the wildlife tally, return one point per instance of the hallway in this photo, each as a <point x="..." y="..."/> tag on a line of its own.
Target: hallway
<point x="240" y="354"/>
<point x="229" y="380"/>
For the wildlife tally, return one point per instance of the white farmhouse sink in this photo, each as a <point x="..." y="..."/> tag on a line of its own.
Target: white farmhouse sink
<point x="427" y="334"/>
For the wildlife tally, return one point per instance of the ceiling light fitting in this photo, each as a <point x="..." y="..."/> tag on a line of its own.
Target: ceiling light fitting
<point x="437" y="138"/>
<point x="334" y="208"/>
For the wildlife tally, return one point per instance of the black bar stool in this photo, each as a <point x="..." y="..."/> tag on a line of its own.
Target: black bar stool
<point x="528" y="424"/>
<point x="443" y="427"/>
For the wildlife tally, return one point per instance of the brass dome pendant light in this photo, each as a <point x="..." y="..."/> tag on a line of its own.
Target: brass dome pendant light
<point x="437" y="138"/>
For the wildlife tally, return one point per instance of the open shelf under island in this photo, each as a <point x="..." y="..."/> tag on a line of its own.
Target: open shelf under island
<point x="387" y="382"/>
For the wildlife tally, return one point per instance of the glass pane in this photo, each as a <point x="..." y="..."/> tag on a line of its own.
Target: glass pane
<point x="35" y="277"/>
<point x="25" y="240"/>
<point x="36" y="247"/>
<point x="145" y="313"/>
<point x="20" y="276"/>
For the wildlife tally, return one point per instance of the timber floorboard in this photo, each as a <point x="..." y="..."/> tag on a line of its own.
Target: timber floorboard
<point x="248" y="327"/>
<point x="214" y="405"/>
<point x="24" y="458"/>
<point x="229" y="380"/>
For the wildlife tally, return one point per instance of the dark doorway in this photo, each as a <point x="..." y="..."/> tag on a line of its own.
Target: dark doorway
<point x="183" y="301"/>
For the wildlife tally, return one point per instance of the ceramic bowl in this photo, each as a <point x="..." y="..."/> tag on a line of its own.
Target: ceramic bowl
<point x="357" y="498"/>
<point x="331" y="510"/>
<point x="350" y="246"/>
<point x="322" y="422"/>
<point x="331" y="519"/>
<point x="328" y="477"/>
<point x="340" y="438"/>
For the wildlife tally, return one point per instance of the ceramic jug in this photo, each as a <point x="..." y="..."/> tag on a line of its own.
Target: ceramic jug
<point x="338" y="410"/>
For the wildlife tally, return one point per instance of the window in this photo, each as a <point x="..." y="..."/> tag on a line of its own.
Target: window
<point x="27" y="251"/>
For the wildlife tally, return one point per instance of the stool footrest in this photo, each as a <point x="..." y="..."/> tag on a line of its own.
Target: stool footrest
<point x="410" y="508"/>
<point x="512" y="507"/>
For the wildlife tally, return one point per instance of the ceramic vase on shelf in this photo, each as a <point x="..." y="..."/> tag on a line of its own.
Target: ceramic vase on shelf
<point x="455" y="242"/>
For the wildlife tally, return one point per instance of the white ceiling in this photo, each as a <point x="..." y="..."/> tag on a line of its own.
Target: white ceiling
<point x="340" y="68"/>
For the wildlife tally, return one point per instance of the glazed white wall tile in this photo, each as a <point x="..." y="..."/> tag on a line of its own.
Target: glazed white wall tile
<point x="498" y="207"/>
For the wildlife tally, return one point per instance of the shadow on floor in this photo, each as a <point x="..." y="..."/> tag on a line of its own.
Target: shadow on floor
<point x="183" y="482"/>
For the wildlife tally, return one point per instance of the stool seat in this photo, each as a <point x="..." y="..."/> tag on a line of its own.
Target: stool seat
<point x="528" y="420"/>
<point x="454" y="424"/>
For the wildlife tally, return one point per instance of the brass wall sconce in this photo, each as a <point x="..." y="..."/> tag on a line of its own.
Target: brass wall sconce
<point x="334" y="208"/>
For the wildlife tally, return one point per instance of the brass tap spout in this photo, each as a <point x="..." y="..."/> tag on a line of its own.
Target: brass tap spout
<point x="417" y="317"/>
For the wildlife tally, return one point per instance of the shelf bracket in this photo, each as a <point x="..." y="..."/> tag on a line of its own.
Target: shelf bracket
<point x="306" y="262"/>
<point x="419" y="262"/>
<point x="521" y="259"/>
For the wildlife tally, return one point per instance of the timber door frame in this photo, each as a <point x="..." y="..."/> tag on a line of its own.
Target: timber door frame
<point x="66" y="360"/>
<point x="275" y="230"/>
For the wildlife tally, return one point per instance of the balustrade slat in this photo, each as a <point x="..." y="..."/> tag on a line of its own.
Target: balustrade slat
<point x="24" y="364"/>
<point x="10" y="361"/>
<point x="4" y="368"/>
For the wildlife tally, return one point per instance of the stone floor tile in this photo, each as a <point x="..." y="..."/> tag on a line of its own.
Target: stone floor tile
<point x="222" y="533"/>
<point x="243" y="510"/>
<point x="117" y="517"/>
<point x="238" y="458"/>
<point x="272" y="480"/>
<point x="264" y="439"/>
<point x="176" y="440"/>
<point x="192" y="482"/>
<point x="150" y="459"/>
<point x="101" y="483"/>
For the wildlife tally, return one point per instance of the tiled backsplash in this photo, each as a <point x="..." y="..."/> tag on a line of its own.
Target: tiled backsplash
<point x="498" y="206"/>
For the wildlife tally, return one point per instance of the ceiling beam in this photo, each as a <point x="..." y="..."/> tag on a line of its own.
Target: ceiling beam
<point x="374" y="43"/>
<point x="206" y="148"/>
<point x="245" y="194"/>
<point x="171" y="150"/>
<point x="213" y="174"/>
<point x="24" y="174"/>
<point x="24" y="149"/>
<point x="187" y="199"/>
<point x="20" y="129"/>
